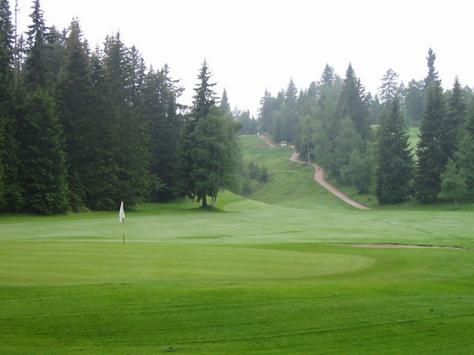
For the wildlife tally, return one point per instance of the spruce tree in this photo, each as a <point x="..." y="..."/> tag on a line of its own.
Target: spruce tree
<point x="465" y="153"/>
<point x="102" y="177"/>
<point x="432" y="76"/>
<point x="431" y="163"/>
<point x="390" y="87"/>
<point x="224" y="105"/>
<point x="289" y="116"/>
<point x="204" y="97"/>
<point x="42" y="167"/>
<point x="42" y="170"/>
<point x="209" y="151"/>
<point x="453" y="121"/>
<point x="394" y="168"/>
<point x="75" y="112"/>
<point x="414" y="102"/>
<point x="164" y="122"/>
<point x="328" y="77"/>
<point x="35" y="66"/>
<point x="6" y="98"/>
<point x="453" y="185"/>
<point x="54" y="54"/>
<point x="353" y="103"/>
<point x="121" y="109"/>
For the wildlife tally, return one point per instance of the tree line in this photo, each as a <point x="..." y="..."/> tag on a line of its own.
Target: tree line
<point x="362" y="140"/>
<point x="86" y="129"/>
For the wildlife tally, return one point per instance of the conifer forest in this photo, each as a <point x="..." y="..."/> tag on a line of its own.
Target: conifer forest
<point x="85" y="128"/>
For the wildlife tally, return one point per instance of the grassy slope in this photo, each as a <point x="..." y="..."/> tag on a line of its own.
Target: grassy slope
<point x="262" y="276"/>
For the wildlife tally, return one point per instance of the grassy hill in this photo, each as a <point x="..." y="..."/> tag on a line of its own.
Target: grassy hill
<point x="273" y="274"/>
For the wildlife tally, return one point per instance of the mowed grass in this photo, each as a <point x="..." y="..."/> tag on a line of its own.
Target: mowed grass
<point x="267" y="275"/>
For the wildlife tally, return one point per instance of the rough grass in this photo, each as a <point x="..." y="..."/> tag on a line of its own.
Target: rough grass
<point x="265" y="276"/>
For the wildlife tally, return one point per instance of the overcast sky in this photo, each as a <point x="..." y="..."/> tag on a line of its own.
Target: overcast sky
<point x="253" y="45"/>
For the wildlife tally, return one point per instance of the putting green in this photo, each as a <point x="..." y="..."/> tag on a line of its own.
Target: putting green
<point x="55" y="263"/>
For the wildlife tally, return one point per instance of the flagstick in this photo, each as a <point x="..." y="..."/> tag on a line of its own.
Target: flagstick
<point x="123" y="234"/>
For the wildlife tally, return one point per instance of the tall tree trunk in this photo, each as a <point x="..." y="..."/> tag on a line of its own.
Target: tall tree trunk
<point x="204" y="202"/>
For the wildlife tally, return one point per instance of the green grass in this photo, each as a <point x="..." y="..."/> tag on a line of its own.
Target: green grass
<point x="265" y="276"/>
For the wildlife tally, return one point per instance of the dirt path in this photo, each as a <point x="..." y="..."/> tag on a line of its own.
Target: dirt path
<point x="267" y="140"/>
<point x="319" y="178"/>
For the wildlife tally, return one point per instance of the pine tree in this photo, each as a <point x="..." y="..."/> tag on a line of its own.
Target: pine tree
<point x="75" y="111"/>
<point x="430" y="163"/>
<point x="42" y="167"/>
<point x="394" y="168"/>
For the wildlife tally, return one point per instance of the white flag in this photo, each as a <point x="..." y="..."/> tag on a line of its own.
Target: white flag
<point x="121" y="213"/>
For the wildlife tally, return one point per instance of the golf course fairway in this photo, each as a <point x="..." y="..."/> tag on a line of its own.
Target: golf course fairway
<point x="290" y="270"/>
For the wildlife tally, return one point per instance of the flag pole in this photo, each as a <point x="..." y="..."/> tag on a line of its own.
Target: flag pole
<point x="122" y="221"/>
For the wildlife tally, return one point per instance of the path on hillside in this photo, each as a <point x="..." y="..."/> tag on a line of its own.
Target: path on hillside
<point x="320" y="179"/>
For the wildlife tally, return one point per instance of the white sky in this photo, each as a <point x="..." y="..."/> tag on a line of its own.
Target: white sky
<point x="252" y="45"/>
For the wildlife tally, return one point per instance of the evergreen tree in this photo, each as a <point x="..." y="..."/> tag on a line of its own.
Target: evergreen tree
<point x="353" y="103"/>
<point x="129" y="150"/>
<point x="414" y="102"/>
<point x="432" y="76"/>
<point x="289" y="115"/>
<point x="328" y="77"/>
<point x="224" y="106"/>
<point x="6" y="99"/>
<point x="215" y="156"/>
<point x="248" y="125"/>
<point x="161" y="114"/>
<point x="209" y="150"/>
<point x="358" y="172"/>
<point x="390" y="87"/>
<point x="204" y="97"/>
<point x="465" y="154"/>
<point x="346" y="141"/>
<point x="394" y="168"/>
<point x="53" y="55"/>
<point x="42" y="167"/>
<point x="101" y="178"/>
<point x="453" y="185"/>
<point x="453" y="121"/>
<point x="35" y="66"/>
<point x="375" y="109"/>
<point x="430" y="163"/>
<point x="74" y="99"/>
